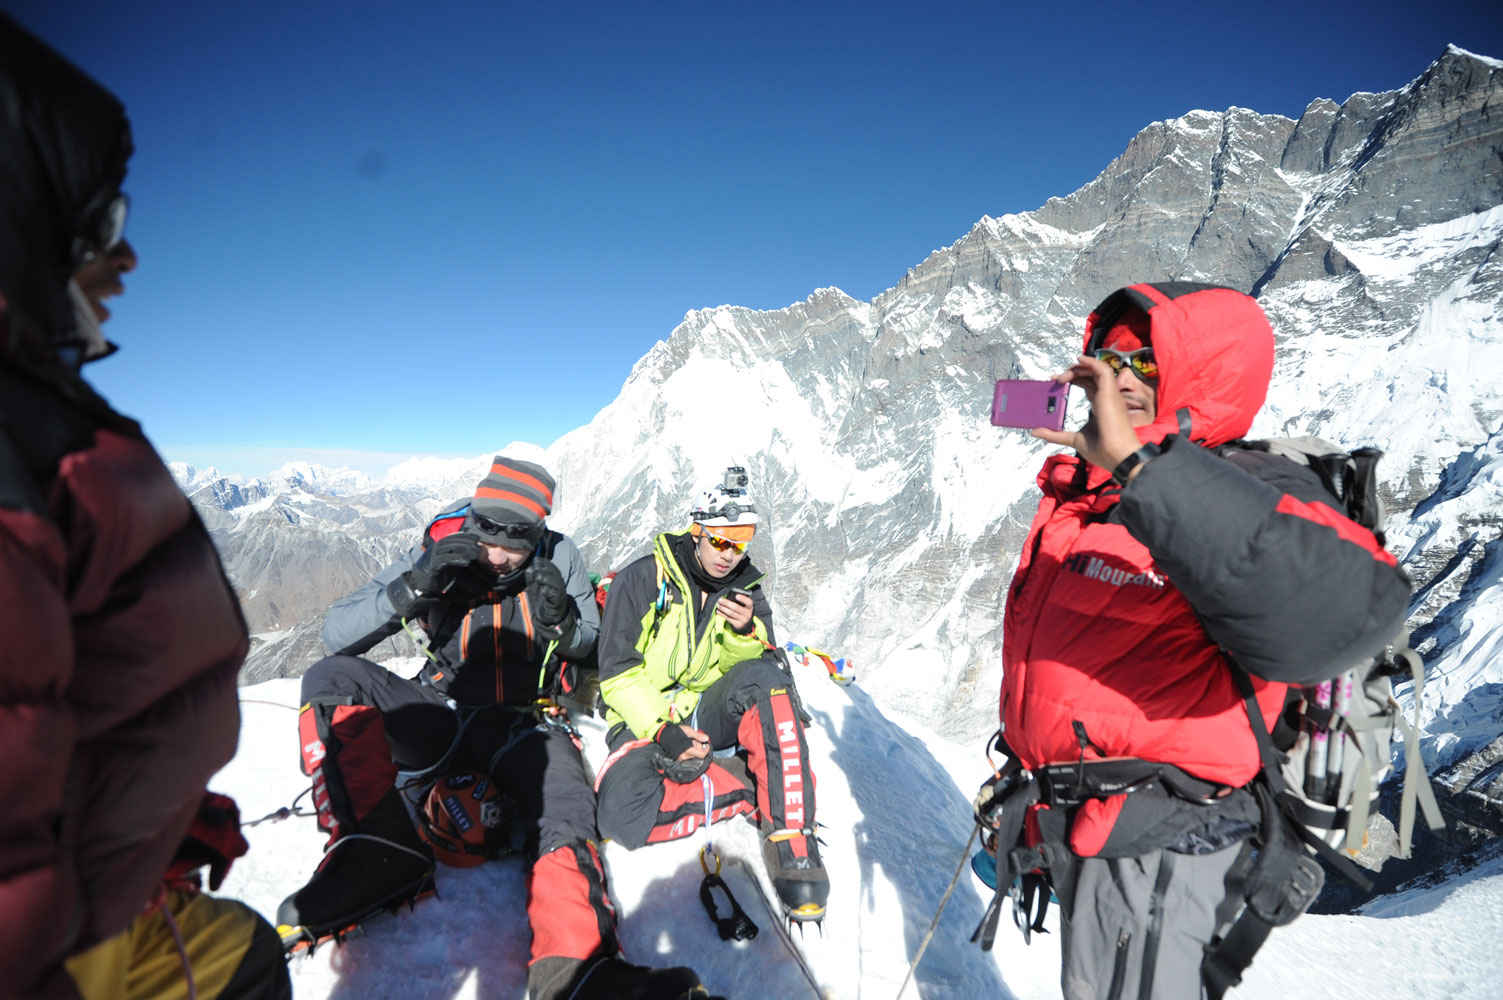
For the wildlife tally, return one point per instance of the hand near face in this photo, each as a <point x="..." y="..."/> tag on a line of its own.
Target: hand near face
<point x="680" y="742"/>
<point x="1107" y="437"/>
<point x="736" y="609"/>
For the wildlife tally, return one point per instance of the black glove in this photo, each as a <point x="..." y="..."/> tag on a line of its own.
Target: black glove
<point x="671" y="741"/>
<point x="552" y="611"/>
<point x="415" y="590"/>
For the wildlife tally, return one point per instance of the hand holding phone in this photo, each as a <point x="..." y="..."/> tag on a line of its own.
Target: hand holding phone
<point x="734" y="609"/>
<point x="1030" y="403"/>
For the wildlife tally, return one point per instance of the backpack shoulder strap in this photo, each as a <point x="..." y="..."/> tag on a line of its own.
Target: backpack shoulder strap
<point x="1284" y="879"/>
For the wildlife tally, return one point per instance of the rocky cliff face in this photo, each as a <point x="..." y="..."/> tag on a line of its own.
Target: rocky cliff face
<point x="1370" y="231"/>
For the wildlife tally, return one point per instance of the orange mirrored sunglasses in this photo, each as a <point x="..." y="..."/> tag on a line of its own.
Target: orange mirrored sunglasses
<point x="725" y="544"/>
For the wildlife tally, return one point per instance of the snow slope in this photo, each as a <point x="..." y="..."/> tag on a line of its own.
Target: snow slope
<point x="894" y="800"/>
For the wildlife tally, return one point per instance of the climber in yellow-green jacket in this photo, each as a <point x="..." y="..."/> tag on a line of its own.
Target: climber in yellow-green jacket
<point x="699" y="703"/>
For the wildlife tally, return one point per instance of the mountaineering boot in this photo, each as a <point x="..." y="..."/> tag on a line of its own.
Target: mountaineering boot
<point x="798" y="875"/>
<point x="616" y="979"/>
<point x="380" y="865"/>
<point x="777" y="757"/>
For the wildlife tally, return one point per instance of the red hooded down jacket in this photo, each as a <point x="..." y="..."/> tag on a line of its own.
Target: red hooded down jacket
<point x="1124" y="602"/>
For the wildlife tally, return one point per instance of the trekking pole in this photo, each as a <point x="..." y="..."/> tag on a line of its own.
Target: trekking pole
<point x="1315" y="764"/>
<point x="929" y="936"/>
<point x="1341" y="698"/>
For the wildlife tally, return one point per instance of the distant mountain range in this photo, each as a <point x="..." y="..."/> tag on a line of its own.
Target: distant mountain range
<point x="1369" y="230"/>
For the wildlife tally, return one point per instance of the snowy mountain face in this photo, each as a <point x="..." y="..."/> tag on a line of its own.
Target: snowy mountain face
<point x="893" y="511"/>
<point x="1370" y="231"/>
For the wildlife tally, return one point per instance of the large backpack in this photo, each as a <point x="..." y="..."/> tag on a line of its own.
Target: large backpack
<point x="1329" y="752"/>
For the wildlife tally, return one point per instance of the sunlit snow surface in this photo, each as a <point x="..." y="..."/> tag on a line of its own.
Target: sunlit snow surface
<point x="894" y="803"/>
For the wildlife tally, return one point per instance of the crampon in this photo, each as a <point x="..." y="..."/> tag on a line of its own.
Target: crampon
<point x="302" y="940"/>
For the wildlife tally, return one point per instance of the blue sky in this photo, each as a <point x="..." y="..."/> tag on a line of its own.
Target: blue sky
<point x="381" y="229"/>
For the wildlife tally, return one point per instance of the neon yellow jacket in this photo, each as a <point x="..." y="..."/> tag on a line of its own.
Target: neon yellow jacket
<point x="657" y="651"/>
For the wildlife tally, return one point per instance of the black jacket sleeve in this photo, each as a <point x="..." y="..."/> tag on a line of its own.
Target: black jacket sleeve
<point x="1279" y="576"/>
<point x="632" y="592"/>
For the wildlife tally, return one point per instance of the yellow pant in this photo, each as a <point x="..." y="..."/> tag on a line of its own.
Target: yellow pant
<point x="222" y="937"/>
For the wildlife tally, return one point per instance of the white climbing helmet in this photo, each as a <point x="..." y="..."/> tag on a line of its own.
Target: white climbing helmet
<point x="727" y="502"/>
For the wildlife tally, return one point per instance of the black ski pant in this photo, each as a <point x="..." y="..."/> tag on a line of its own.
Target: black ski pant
<point x="749" y="712"/>
<point x="373" y="713"/>
<point x="541" y="769"/>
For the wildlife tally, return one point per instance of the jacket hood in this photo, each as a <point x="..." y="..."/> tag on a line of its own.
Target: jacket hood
<point x="1214" y="348"/>
<point x="65" y="140"/>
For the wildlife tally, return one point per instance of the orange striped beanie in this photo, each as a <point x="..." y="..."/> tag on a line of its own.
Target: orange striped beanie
<point x="514" y="492"/>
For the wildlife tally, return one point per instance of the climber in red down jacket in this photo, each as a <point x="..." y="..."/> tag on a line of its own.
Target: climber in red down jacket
<point x="1152" y="561"/>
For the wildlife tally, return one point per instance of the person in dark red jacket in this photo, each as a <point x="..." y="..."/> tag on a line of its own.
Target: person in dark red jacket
<point x="1151" y="561"/>
<point x="124" y="639"/>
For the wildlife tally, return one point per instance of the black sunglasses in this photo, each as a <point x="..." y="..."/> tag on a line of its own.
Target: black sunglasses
<point x="104" y="227"/>
<point x="1140" y="361"/>
<point x="529" y="532"/>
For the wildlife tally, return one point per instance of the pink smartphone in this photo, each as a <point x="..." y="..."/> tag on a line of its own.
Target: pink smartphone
<point x="1030" y="403"/>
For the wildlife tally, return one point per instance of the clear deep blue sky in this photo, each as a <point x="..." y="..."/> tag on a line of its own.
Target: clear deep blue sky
<point x="368" y="230"/>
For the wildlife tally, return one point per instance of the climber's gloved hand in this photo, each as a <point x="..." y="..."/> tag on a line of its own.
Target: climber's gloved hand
<point x="553" y="612"/>
<point x="681" y="753"/>
<point x="434" y="572"/>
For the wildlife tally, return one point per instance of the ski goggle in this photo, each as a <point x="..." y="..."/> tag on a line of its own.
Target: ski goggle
<point x="104" y="227"/>
<point x="1140" y="361"/>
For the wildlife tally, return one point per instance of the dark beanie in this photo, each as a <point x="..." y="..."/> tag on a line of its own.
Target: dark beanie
<point x="514" y="492"/>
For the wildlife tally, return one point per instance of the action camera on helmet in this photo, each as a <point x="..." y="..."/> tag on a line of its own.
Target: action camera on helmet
<point x="727" y="502"/>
